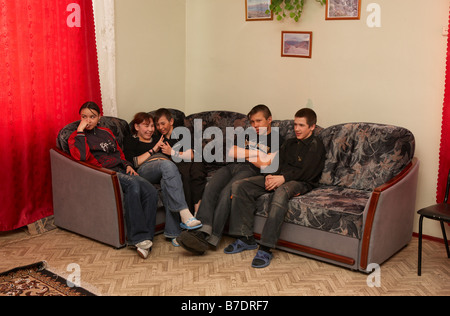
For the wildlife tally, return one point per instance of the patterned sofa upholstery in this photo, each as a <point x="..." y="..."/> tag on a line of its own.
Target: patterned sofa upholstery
<point x="363" y="210"/>
<point x="361" y="213"/>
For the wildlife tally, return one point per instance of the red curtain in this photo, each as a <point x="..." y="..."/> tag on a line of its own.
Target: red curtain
<point x="48" y="64"/>
<point x="444" y="153"/>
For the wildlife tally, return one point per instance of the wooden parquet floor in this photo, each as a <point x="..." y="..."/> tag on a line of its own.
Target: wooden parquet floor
<point x="171" y="271"/>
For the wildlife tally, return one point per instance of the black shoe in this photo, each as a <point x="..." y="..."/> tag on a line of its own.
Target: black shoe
<point x="193" y="241"/>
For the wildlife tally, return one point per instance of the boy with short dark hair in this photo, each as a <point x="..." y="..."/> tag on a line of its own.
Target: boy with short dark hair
<point x="193" y="173"/>
<point x="216" y="202"/>
<point x="301" y="163"/>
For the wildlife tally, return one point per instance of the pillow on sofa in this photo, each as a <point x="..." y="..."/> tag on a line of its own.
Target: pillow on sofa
<point x="365" y="155"/>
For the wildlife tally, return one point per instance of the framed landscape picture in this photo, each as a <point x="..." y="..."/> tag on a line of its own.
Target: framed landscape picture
<point x="343" y="10"/>
<point x="296" y="44"/>
<point x="255" y="10"/>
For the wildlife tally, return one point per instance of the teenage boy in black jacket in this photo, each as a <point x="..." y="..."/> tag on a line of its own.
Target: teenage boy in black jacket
<point x="301" y="163"/>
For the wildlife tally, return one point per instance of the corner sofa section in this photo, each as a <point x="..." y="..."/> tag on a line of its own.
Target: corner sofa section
<point x="361" y="213"/>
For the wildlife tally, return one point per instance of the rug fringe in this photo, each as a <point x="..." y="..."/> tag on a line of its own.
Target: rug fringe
<point x="41" y="265"/>
<point x="84" y="285"/>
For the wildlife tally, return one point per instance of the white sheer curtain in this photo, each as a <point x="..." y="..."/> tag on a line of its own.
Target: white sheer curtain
<point x="106" y="50"/>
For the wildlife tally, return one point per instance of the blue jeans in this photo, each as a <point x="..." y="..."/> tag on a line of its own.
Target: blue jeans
<point x="140" y="200"/>
<point x="166" y="173"/>
<point x="216" y="202"/>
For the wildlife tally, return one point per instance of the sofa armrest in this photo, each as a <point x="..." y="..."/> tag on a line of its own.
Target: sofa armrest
<point x="389" y="220"/>
<point x="87" y="200"/>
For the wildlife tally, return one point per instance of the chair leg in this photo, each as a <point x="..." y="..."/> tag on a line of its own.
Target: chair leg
<point x="445" y="239"/>
<point x="419" y="257"/>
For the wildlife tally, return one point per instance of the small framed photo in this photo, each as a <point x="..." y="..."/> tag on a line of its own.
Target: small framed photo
<point x="255" y="10"/>
<point x="343" y="10"/>
<point x="296" y="44"/>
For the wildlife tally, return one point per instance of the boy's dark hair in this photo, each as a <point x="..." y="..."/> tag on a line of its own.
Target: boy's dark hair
<point x="308" y="114"/>
<point x="260" y="108"/>
<point x="162" y="112"/>
<point x="91" y="106"/>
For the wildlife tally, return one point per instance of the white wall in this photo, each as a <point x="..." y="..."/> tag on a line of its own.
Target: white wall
<point x="150" y="54"/>
<point x="393" y="74"/>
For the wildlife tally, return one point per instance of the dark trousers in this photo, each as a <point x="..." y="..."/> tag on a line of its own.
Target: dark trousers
<point x="193" y="175"/>
<point x="243" y="206"/>
<point x="216" y="202"/>
<point x="140" y="200"/>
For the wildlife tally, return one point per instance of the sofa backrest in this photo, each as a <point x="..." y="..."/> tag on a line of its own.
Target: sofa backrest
<point x="365" y="155"/>
<point x="220" y="119"/>
<point x="286" y="128"/>
<point x="224" y="119"/>
<point x="119" y="127"/>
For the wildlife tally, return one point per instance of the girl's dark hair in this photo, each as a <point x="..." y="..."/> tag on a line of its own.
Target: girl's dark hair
<point x="138" y="119"/>
<point x="91" y="106"/>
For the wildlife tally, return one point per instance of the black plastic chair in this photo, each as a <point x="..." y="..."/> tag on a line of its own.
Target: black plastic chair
<point x="438" y="212"/>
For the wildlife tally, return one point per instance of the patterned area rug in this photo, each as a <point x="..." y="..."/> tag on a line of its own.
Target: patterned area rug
<point x="36" y="280"/>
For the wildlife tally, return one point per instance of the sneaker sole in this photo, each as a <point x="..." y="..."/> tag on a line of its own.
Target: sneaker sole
<point x="142" y="253"/>
<point x="192" y="243"/>
<point x="192" y="250"/>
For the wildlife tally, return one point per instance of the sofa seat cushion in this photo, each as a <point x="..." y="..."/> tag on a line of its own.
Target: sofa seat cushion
<point x="332" y="209"/>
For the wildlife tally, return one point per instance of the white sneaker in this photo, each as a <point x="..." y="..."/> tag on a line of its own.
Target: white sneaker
<point x="143" y="248"/>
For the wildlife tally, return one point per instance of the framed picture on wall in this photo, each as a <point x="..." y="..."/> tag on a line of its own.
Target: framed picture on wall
<point x="255" y="10"/>
<point x="296" y="44"/>
<point x="343" y="10"/>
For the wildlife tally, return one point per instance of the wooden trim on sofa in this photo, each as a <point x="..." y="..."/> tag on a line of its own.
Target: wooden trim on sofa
<point x="313" y="251"/>
<point x="118" y="195"/>
<point x="160" y="228"/>
<point x="117" y="191"/>
<point x="372" y="209"/>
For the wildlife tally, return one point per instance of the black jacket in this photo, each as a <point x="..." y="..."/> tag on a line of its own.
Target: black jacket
<point x="302" y="160"/>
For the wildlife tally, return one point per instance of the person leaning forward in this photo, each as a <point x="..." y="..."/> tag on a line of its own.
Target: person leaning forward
<point x="301" y="163"/>
<point x="216" y="201"/>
